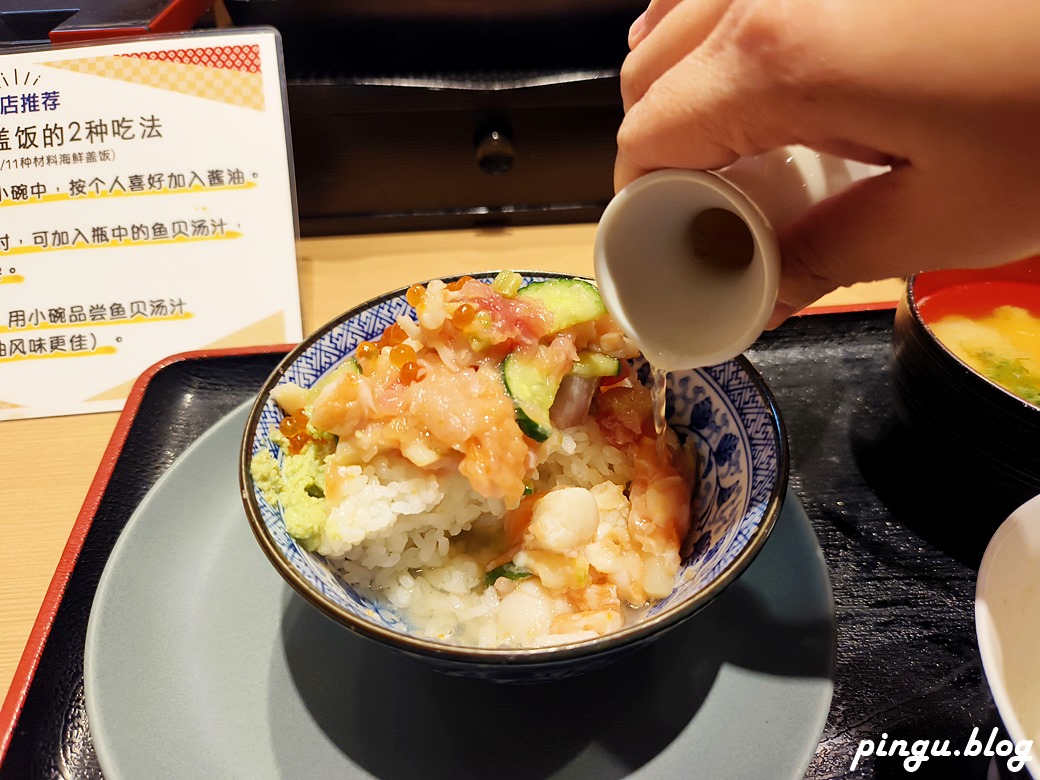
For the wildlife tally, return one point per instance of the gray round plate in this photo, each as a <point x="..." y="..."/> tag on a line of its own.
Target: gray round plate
<point x="201" y="662"/>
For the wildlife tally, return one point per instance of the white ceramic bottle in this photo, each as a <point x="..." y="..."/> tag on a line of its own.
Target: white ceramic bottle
<point x="688" y="262"/>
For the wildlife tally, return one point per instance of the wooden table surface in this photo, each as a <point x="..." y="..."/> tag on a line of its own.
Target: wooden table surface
<point x="46" y="465"/>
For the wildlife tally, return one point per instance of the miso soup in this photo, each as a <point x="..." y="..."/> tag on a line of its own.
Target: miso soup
<point x="994" y="328"/>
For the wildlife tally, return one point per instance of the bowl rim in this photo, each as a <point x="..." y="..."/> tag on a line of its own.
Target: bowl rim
<point x="982" y="383"/>
<point x="548" y="654"/>
<point x="985" y="632"/>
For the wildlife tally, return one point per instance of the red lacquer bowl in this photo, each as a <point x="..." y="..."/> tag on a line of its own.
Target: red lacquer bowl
<point x="989" y="434"/>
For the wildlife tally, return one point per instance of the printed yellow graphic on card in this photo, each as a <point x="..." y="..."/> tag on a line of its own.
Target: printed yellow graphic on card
<point x="229" y="74"/>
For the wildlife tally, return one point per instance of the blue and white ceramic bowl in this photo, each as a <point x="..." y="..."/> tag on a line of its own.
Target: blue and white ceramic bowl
<point x="728" y="411"/>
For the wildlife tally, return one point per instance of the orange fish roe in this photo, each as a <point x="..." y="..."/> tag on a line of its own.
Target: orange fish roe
<point x="401" y="354"/>
<point x="463" y="315"/>
<point x="459" y="283"/>
<point x="409" y="372"/>
<point x="294" y="429"/>
<point x="366" y="351"/>
<point x="415" y="295"/>
<point x="395" y="334"/>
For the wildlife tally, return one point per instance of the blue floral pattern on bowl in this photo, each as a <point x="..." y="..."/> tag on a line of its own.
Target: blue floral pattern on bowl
<point x="726" y="409"/>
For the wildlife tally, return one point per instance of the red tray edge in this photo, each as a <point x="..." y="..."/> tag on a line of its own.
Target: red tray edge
<point x="24" y="672"/>
<point x="848" y="308"/>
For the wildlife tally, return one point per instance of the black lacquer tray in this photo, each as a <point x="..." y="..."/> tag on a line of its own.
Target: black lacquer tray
<point x="900" y="528"/>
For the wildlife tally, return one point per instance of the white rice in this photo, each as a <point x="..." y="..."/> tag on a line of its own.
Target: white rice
<point x="396" y="534"/>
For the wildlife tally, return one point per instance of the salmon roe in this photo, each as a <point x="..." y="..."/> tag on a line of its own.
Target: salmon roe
<point x="459" y="283"/>
<point x="463" y="315"/>
<point x="409" y="372"/>
<point x="415" y="295"/>
<point x="401" y="354"/>
<point x="294" y="429"/>
<point x="395" y="334"/>
<point x="366" y="350"/>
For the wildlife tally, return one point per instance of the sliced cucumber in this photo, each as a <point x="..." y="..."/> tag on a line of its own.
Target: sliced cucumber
<point x="570" y="301"/>
<point x="507" y="283"/>
<point x="596" y="364"/>
<point x="532" y="392"/>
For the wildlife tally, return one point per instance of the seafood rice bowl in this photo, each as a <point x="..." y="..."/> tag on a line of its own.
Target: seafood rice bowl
<point x="482" y="465"/>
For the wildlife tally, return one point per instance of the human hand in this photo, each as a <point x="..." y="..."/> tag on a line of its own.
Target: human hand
<point x="948" y="94"/>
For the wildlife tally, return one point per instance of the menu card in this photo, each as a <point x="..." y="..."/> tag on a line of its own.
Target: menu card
<point x="146" y="208"/>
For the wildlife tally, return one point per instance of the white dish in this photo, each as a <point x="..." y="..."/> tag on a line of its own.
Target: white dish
<point x="1007" y="623"/>
<point x="201" y="662"/>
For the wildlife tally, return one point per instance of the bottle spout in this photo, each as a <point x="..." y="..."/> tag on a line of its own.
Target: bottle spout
<point x="688" y="262"/>
<point x="688" y="266"/>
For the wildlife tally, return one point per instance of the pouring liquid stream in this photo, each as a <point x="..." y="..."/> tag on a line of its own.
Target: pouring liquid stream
<point x="659" y="404"/>
<point x="720" y="243"/>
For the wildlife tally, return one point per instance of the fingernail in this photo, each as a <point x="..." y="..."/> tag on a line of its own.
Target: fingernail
<point x="636" y="29"/>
